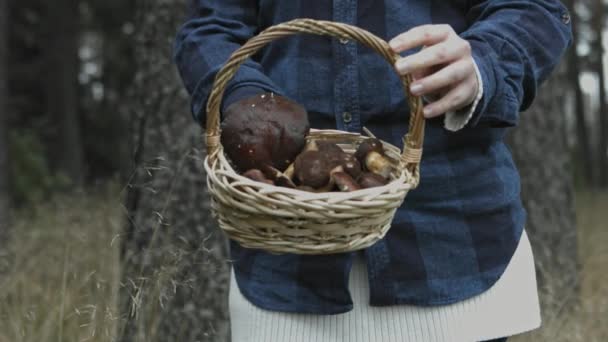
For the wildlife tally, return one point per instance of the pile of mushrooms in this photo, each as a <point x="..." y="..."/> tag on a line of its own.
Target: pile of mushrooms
<point x="265" y="139"/>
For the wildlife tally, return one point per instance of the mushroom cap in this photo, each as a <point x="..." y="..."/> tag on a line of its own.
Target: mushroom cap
<point x="265" y="129"/>
<point x="335" y="155"/>
<point x="312" y="169"/>
<point x="367" y="146"/>
<point x="329" y="147"/>
<point x="371" y="180"/>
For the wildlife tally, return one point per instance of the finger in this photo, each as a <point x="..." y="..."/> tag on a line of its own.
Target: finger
<point x="457" y="98"/>
<point x="421" y="74"/>
<point x="419" y="36"/>
<point x="441" y="53"/>
<point x="449" y="75"/>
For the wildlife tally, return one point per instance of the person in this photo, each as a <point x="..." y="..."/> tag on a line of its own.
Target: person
<point x="456" y="264"/>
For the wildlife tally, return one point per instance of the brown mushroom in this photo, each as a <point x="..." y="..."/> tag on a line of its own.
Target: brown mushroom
<point x="264" y="130"/>
<point x="345" y="182"/>
<point x="371" y="154"/>
<point x="351" y="165"/>
<point x="329" y="147"/>
<point x="367" y="146"/>
<point x="312" y="169"/>
<point x="258" y="176"/>
<point x="371" y="180"/>
<point x="316" y="169"/>
<point x="334" y="158"/>
<point x="311" y="145"/>
<point x="324" y="165"/>
<point x="337" y="157"/>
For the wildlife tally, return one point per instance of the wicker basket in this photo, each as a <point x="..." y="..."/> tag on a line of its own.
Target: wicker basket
<point x="282" y="220"/>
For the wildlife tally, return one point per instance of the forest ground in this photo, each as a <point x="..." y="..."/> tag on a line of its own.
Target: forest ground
<point x="64" y="282"/>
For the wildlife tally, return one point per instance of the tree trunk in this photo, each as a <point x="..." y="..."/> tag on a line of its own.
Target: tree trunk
<point x="62" y="88"/>
<point x="598" y="24"/>
<point x="117" y="76"/>
<point x="541" y="153"/>
<point x="175" y="272"/>
<point x="4" y="167"/>
<point x="585" y="155"/>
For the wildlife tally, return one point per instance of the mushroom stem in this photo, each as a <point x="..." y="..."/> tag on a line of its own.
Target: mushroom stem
<point x="351" y="165"/>
<point x="345" y="182"/>
<point x="279" y="177"/>
<point x="377" y="164"/>
<point x="370" y="153"/>
<point x="311" y="145"/>
<point x="289" y="172"/>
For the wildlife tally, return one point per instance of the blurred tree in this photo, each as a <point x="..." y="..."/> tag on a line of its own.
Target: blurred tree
<point x="585" y="154"/>
<point x="107" y="50"/>
<point x="100" y="62"/>
<point x="31" y="177"/>
<point x="4" y="194"/>
<point x="117" y="74"/>
<point x="598" y="28"/>
<point x="61" y="87"/>
<point x="541" y="153"/>
<point x="175" y="268"/>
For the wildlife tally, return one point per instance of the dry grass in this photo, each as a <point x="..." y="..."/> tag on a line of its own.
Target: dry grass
<point x="588" y="321"/>
<point x="64" y="281"/>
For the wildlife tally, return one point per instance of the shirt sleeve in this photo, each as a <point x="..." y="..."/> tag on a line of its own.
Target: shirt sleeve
<point x="214" y="30"/>
<point x="456" y="120"/>
<point x="515" y="44"/>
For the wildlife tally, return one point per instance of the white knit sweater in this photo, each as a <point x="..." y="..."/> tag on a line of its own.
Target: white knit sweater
<point x="509" y="307"/>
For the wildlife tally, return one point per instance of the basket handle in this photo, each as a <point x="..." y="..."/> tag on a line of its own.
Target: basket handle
<point x="412" y="141"/>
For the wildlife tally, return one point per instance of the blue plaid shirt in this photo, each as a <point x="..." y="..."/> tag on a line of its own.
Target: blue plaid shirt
<point x="455" y="234"/>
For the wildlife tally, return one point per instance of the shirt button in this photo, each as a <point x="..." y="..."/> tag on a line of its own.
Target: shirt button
<point x="566" y="18"/>
<point x="347" y="117"/>
<point x="344" y="41"/>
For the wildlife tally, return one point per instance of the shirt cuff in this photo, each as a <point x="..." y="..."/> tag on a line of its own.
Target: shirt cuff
<point x="456" y="120"/>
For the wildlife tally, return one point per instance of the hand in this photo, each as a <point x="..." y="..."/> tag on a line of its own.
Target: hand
<point x="444" y="68"/>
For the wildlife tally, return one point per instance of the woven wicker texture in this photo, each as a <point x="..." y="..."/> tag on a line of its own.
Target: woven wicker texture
<point x="282" y="220"/>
